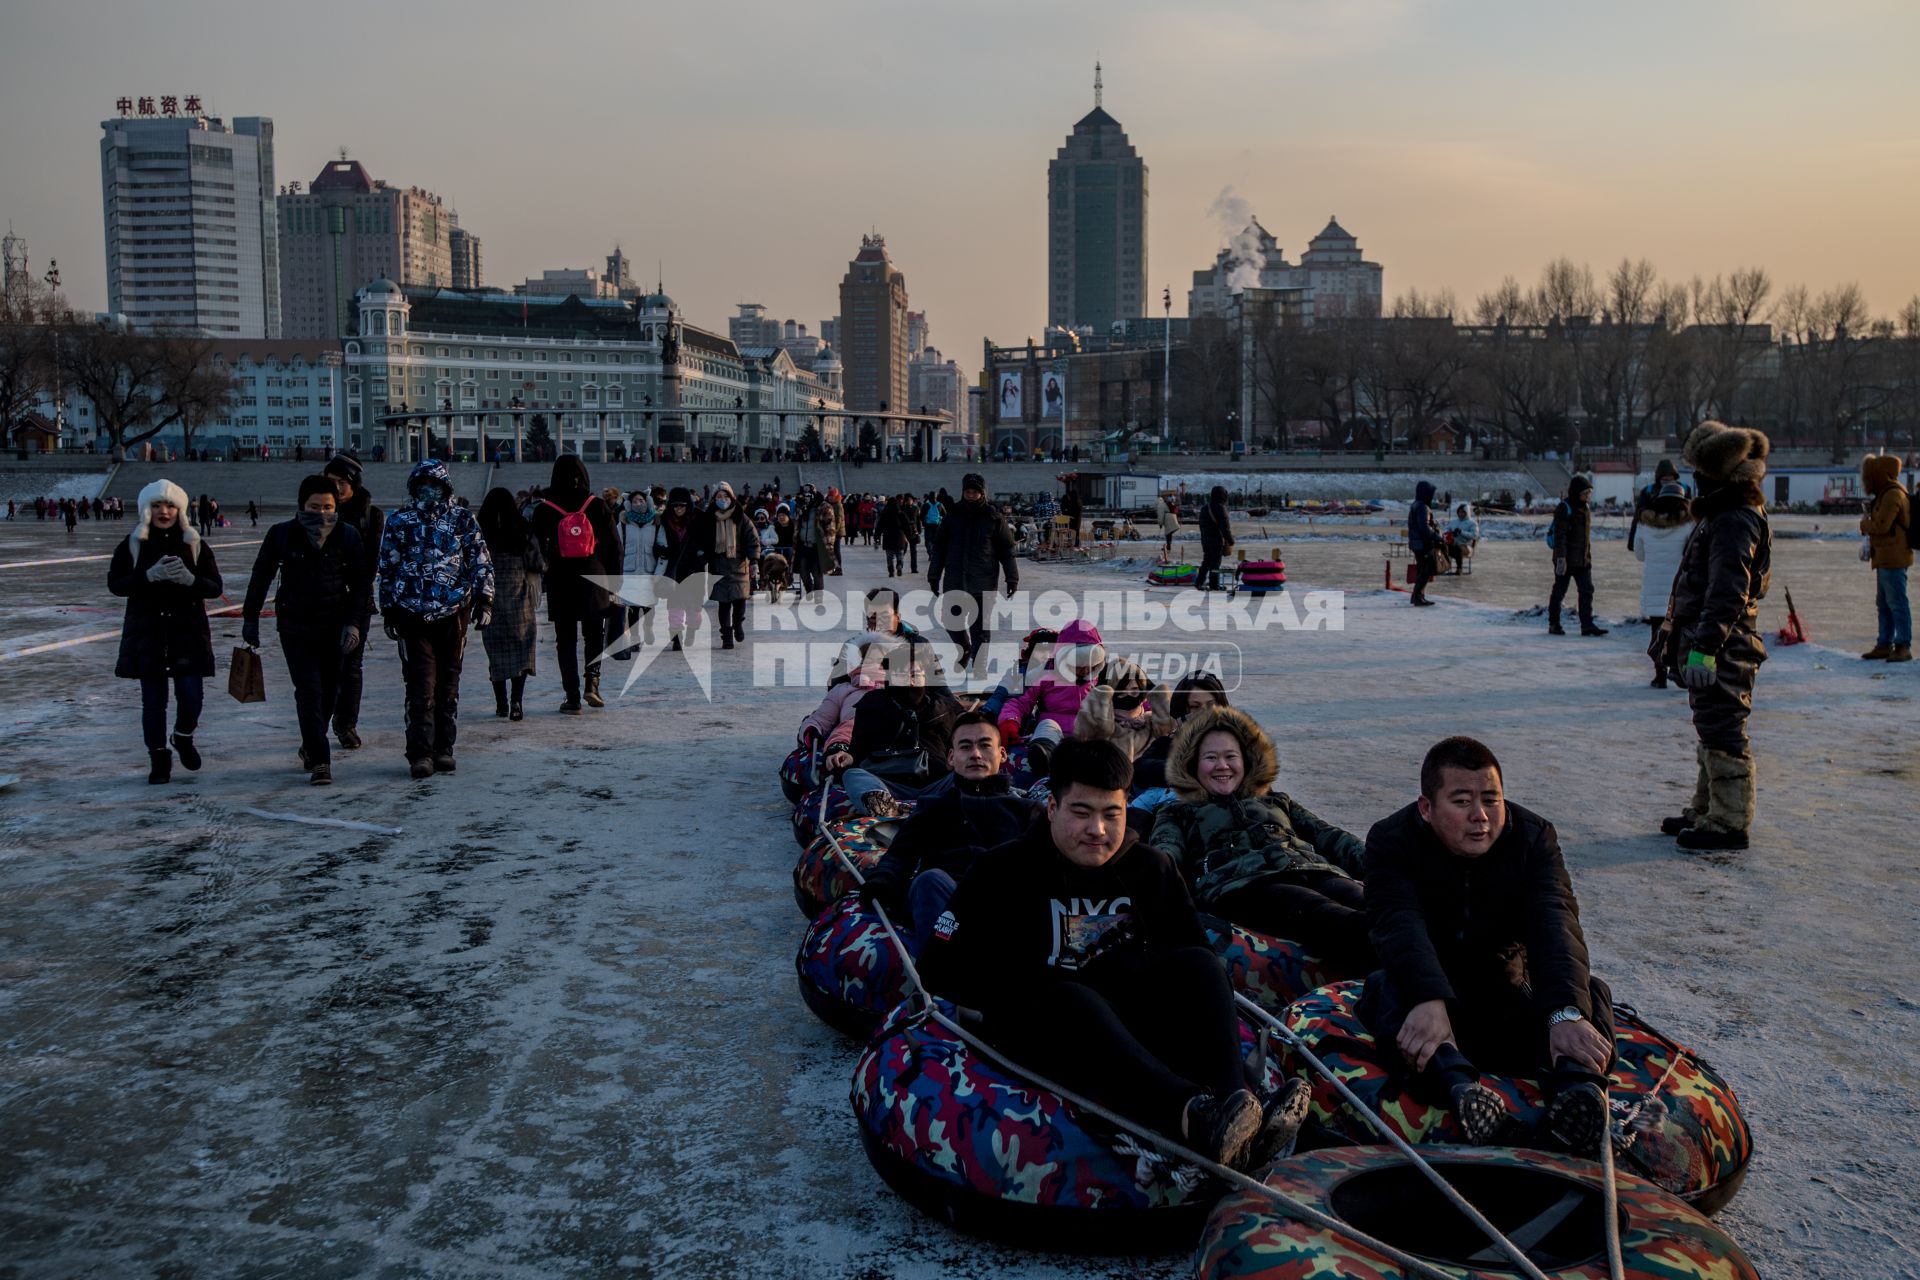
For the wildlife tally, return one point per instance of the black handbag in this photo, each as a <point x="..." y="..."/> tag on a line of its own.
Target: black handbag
<point x="899" y="764"/>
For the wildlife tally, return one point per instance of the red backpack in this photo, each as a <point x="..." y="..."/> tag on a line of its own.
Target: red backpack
<point x="575" y="531"/>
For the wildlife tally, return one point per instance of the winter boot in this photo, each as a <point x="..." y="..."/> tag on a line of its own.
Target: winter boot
<point x="1901" y="653"/>
<point x="1879" y="653"/>
<point x="514" y="711"/>
<point x="189" y="754"/>
<point x="1222" y="1128"/>
<point x="500" y="698"/>
<point x="443" y="762"/>
<point x="421" y="768"/>
<point x="726" y="636"/>
<point x="676" y="642"/>
<point x="1702" y="797"/>
<point x="881" y="804"/>
<point x="1592" y="629"/>
<point x="322" y="775"/>
<point x="347" y="737"/>
<point x="1282" y="1126"/>
<point x="1553" y="624"/>
<point x="1724" y="825"/>
<point x="740" y="631"/>
<point x="592" y="693"/>
<point x="1576" y="1120"/>
<point x="1480" y="1113"/>
<point x="161" y="769"/>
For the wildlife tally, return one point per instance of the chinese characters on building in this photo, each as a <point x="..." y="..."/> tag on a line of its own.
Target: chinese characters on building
<point x="166" y="104"/>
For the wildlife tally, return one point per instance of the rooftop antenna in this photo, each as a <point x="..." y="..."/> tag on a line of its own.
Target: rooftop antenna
<point x="1096" y="83"/>
<point x="343" y="153"/>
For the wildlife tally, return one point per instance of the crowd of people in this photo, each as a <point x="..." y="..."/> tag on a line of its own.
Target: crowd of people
<point x="70" y="510"/>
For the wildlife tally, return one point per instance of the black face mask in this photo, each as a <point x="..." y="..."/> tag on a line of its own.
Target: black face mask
<point x="318" y="524"/>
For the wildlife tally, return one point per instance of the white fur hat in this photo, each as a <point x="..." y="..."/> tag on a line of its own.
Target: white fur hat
<point x="164" y="491"/>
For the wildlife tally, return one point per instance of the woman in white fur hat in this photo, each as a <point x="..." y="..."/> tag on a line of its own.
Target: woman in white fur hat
<point x="166" y="571"/>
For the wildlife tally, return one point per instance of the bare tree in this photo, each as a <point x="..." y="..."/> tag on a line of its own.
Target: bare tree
<point x="1729" y="321"/>
<point x="142" y="384"/>
<point x="1206" y="380"/>
<point x="1331" y="362"/>
<point x="1274" y="359"/>
<point x="29" y="316"/>
<point x="1829" y="356"/>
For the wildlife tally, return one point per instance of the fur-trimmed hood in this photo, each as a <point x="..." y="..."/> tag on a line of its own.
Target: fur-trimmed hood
<point x="1879" y="471"/>
<point x="163" y="491"/>
<point x="1728" y="455"/>
<point x="1256" y="749"/>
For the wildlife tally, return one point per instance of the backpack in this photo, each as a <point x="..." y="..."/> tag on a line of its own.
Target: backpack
<point x="574" y="530"/>
<point x="1555" y="525"/>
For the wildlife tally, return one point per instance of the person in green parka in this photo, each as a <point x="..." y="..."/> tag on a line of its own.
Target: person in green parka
<point x="1257" y="856"/>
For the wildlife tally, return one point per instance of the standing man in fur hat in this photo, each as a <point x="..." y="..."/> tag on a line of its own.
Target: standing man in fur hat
<point x="369" y="522"/>
<point x="1714" y="614"/>
<point x="1886" y="526"/>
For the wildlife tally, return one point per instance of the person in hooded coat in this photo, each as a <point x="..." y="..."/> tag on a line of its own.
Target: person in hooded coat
<point x="637" y="567"/>
<point x="576" y="604"/>
<point x="1572" y="534"/>
<point x="1726" y="567"/>
<point x="891" y="526"/>
<point x="512" y="634"/>
<point x="322" y="610"/>
<point x="1664" y="473"/>
<point x="969" y="554"/>
<point x="731" y="546"/>
<point x="1423" y="540"/>
<point x="1216" y="536"/>
<point x="1662" y="525"/>
<point x="166" y="572"/>
<point x="434" y="577"/>
<point x="358" y="512"/>
<point x="1257" y="856"/>
<point x="1890" y="550"/>
<point x="679" y="554"/>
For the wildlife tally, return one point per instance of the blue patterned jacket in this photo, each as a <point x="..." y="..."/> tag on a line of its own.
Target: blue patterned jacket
<point x="433" y="559"/>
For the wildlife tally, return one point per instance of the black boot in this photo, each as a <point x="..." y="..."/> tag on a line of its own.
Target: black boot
<point x="1553" y="624"/>
<point x="162" y="766"/>
<point x="676" y="642"/>
<point x="726" y="636"/>
<point x="189" y="754"/>
<point x="593" y="697"/>
<point x="513" y="708"/>
<point x="500" y="698"/>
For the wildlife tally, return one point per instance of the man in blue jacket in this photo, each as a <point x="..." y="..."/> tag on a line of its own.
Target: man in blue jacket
<point x="435" y="577"/>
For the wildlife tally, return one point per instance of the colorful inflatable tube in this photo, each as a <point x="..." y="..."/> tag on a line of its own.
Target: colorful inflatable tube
<point x="1173" y="575"/>
<point x="851" y="973"/>
<point x="1271" y="972"/>
<point x="819" y="877"/>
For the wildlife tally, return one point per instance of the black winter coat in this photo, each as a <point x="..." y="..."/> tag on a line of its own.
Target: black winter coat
<point x="886" y="721"/>
<point x="1725" y="570"/>
<point x="680" y="553"/>
<point x="1025" y="917"/>
<point x="971" y="550"/>
<point x="1216" y="528"/>
<point x="1573" y="533"/>
<point x="949" y="834"/>
<point x="165" y="632"/>
<point x="1443" y="925"/>
<point x="570" y="597"/>
<point x="321" y="588"/>
<point x="370" y="522"/>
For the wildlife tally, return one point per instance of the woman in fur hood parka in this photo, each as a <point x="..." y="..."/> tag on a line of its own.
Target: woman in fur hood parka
<point x="1257" y="856"/>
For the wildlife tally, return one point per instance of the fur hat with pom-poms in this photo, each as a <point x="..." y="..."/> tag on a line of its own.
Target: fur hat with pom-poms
<point x="1727" y="455"/>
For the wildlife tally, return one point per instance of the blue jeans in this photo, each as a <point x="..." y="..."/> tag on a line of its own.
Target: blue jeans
<point x="858" y="783"/>
<point x="188" y="694"/>
<point x="1896" y="616"/>
<point x="926" y="899"/>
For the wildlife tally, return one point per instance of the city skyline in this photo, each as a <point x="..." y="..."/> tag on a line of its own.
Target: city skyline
<point x="1462" y="147"/>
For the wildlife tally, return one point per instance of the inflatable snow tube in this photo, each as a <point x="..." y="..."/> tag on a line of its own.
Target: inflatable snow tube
<point x="820" y="878"/>
<point x="1173" y="575"/>
<point x="1272" y="972"/>
<point x="1261" y="576"/>
<point x="806" y="812"/>
<point x="1678" y="1120"/>
<point x="798" y="773"/>
<point x="965" y="1141"/>
<point x="851" y="974"/>
<point x="1550" y="1205"/>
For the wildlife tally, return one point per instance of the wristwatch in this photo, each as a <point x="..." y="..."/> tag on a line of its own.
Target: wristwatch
<point x="1568" y="1014"/>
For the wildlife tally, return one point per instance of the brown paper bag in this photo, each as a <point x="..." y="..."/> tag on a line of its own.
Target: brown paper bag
<point x="245" y="679"/>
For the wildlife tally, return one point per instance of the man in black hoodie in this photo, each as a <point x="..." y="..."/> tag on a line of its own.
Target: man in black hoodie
<point x="945" y="835"/>
<point x="358" y="513"/>
<point x="1216" y="537"/>
<point x="1080" y="948"/>
<point x="321" y="612"/>
<point x="1483" y="961"/>
<point x="1423" y="540"/>
<point x="968" y="557"/>
<point x="1571" y="537"/>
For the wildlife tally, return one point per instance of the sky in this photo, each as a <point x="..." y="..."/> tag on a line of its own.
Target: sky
<point x="746" y="147"/>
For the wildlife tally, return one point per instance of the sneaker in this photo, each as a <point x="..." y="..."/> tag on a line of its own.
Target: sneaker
<point x="1576" y="1121"/>
<point x="1879" y="653"/>
<point x="571" y="707"/>
<point x="1480" y="1112"/>
<point x="1556" y="630"/>
<point x="421" y="768"/>
<point x="1700" y="841"/>
<point x="322" y="775"/>
<point x="1222" y="1128"/>
<point x="1901" y="653"/>
<point x="881" y="804"/>
<point x="1285" y="1115"/>
<point x="347" y="737"/>
<point x="1591" y="630"/>
<point x="443" y="763"/>
<point x="189" y="754"/>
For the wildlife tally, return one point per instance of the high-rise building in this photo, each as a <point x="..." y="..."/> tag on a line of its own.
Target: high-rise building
<point x="1336" y="278"/>
<point x="1344" y="283"/>
<point x="348" y="229"/>
<point x="939" y="385"/>
<point x="1096" y="225"/>
<point x="464" y="248"/>
<point x="873" y="329"/>
<point x="753" y="327"/>
<point x="919" y="335"/>
<point x="191" y="230"/>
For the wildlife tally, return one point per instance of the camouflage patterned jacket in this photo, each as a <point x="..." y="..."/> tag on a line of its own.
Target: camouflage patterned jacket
<point x="1222" y="846"/>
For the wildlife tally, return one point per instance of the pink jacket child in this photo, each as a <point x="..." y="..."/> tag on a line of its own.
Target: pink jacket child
<point x="1054" y="699"/>
<point x="832" y="720"/>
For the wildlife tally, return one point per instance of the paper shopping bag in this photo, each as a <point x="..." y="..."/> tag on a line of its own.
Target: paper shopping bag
<point x="245" y="679"/>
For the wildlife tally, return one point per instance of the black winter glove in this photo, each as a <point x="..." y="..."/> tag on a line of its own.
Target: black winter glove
<point x="250" y="633"/>
<point x="349" y="638"/>
<point x="390" y="626"/>
<point x="482" y="612"/>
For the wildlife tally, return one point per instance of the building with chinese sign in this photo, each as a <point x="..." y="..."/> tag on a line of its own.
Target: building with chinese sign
<point x="587" y="370"/>
<point x="191" y="230"/>
<point x="348" y="229"/>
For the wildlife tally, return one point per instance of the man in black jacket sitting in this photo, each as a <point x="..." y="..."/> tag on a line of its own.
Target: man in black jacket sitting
<point x="1079" y="946"/>
<point x="1483" y="961"/>
<point x="937" y="845"/>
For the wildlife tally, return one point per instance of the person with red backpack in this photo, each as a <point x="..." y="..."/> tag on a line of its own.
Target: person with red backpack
<point x="580" y="543"/>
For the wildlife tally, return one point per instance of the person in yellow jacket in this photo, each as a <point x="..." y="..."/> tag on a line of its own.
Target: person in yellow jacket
<point x="1890" y="548"/>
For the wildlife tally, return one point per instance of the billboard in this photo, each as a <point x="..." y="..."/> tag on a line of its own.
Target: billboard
<point x="1053" y="395"/>
<point x="1006" y="395"/>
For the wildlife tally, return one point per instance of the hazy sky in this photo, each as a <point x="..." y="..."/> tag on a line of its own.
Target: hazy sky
<point x="747" y="146"/>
